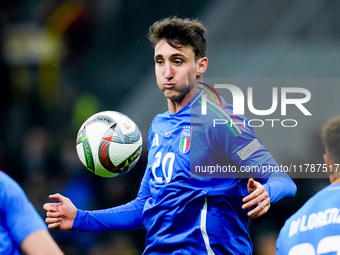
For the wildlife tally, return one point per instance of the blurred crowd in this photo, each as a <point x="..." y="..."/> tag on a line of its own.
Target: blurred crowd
<point x="41" y="112"/>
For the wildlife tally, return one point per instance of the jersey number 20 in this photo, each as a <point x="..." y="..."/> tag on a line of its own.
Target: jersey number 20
<point x="167" y="164"/>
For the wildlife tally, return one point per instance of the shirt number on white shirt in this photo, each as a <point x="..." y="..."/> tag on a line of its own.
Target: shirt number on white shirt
<point x="167" y="166"/>
<point x="326" y="245"/>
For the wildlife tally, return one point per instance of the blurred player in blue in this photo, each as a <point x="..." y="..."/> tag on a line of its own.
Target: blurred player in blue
<point x="182" y="211"/>
<point x="22" y="230"/>
<point x="315" y="227"/>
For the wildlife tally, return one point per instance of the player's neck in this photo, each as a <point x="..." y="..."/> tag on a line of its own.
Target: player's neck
<point x="176" y="106"/>
<point x="335" y="180"/>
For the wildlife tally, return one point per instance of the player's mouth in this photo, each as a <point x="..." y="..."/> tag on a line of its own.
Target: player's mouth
<point x="169" y="85"/>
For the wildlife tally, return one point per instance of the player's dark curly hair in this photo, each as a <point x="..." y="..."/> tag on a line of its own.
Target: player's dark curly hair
<point x="180" y="32"/>
<point x="331" y="138"/>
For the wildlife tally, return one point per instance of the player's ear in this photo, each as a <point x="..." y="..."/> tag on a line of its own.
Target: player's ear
<point x="328" y="161"/>
<point x="202" y="65"/>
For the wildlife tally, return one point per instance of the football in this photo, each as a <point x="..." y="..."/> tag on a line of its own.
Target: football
<point x="109" y="144"/>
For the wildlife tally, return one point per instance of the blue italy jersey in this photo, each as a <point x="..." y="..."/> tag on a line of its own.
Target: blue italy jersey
<point x="315" y="227"/>
<point x="192" y="214"/>
<point x="184" y="209"/>
<point x="18" y="218"/>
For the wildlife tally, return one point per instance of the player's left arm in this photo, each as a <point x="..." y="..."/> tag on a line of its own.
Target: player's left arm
<point x="271" y="188"/>
<point x="264" y="186"/>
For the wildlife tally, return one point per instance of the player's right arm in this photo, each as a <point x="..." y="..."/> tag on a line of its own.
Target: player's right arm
<point x="65" y="216"/>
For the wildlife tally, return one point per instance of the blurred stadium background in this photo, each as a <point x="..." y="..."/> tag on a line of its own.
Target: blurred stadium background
<point x="62" y="61"/>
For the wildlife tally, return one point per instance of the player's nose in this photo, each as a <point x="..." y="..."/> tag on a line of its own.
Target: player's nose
<point x="168" y="72"/>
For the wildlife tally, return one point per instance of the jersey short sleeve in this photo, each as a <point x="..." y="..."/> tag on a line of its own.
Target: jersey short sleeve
<point x="18" y="218"/>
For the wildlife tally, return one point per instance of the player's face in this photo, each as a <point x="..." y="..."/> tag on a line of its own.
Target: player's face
<point x="176" y="70"/>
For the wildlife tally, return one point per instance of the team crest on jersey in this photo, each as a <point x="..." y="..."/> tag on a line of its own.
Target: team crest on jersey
<point x="184" y="144"/>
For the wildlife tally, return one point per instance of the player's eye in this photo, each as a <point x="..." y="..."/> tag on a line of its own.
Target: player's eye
<point x="178" y="61"/>
<point x="159" y="61"/>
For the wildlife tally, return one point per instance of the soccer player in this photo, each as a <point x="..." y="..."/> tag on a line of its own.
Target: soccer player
<point x="183" y="212"/>
<point x="21" y="227"/>
<point x="314" y="228"/>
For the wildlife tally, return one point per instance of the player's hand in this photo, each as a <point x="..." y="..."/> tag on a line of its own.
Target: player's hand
<point x="60" y="215"/>
<point x="258" y="197"/>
